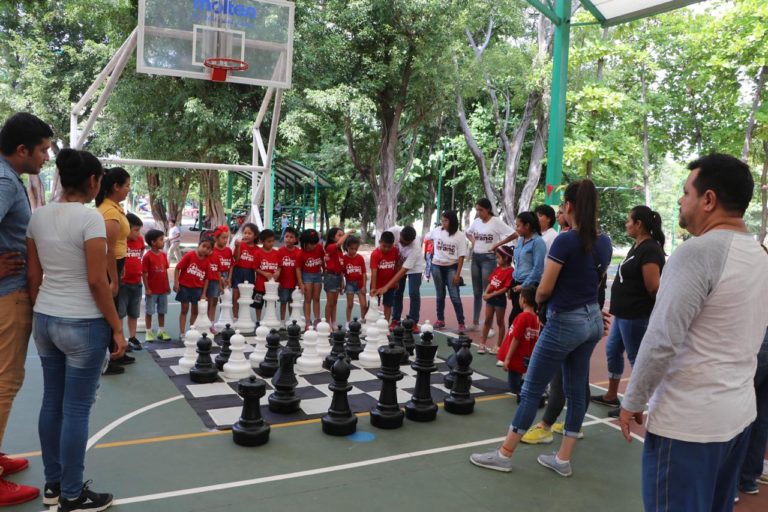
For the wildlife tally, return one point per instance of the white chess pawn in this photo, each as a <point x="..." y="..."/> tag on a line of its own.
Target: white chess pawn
<point x="245" y="321"/>
<point x="310" y="361"/>
<point x="323" y="337"/>
<point x="203" y="323"/>
<point x="297" y="307"/>
<point x="383" y="327"/>
<point x="238" y="366"/>
<point x="260" y="349"/>
<point x="269" y="311"/>
<point x="370" y="317"/>
<point x="427" y="327"/>
<point x="369" y="357"/>
<point x="189" y="358"/>
<point x="225" y="315"/>
<point x="141" y="324"/>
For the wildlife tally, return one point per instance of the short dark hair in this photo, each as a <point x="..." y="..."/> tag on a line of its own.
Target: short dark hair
<point x="728" y="177"/>
<point x="23" y="129"/>
<point x="547" y="211"/>
<point x="387" y="237"/>
<point x="266" y="235"/>
<point x="453" y="221"/>
<point x="351" y="241"/>
<point x="309" y="236"/>
<point x="292" y="230"/>
<point x="253" y="227"/>
<point x="152" y="235"/>
<point x="133" y="220"/>
<point x="75" y="167"/>
<point x="206" y="240"/>
<point x="408" y="234"/>
<point x="529" y="294"/>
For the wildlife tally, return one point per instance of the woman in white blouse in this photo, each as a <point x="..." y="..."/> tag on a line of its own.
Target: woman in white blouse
<point x="450" y="250"/>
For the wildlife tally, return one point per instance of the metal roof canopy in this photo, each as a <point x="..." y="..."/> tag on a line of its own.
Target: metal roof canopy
<point x="607" y="13"/>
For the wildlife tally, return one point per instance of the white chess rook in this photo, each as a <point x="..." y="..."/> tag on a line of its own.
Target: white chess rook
<point x="369" y="357"/>
<point x="203" y="323"/>
<point x="245" y="321"/>
<point x="260" y="349"/>
<point x="141" y="324"/>
<point x="310" y="361"/>
<point x="189" y="358"/>
<point x="238" y="366"/>
<point x="269" y="311"/>
<point x="225" y="314"/>
<point x="297" y="307"/>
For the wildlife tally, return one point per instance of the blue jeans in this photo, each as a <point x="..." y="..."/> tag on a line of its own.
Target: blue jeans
<point x="482" y="266"/>
<point x="72" y="354"/>
<point x="414" y="292"/>
<point x="753" y="462"/>
<point x="566" y="342"/>
<point x="514" y="380"/>
<point x="443" y="276"/>
<point x="625" y="334"/>
<point x="678" y="475"/>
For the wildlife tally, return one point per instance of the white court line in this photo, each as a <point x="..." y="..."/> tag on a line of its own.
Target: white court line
<point x="103" y="432"/>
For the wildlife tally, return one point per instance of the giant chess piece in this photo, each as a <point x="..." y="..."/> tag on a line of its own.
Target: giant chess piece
<point x="269" y="311"/>
<point x="237" y="367"/>
<point x="226" y="339"/>
<point x="245" y="323"/>
<point x="323" y="337"/>
<point x="460" y="401"/>
<point x="225" y="313"/>
<point x="408" y="325"/>
<point x="204" y="371"/>
<point x="427" y="327"/>
<point x="337" y="350"/>
<point x="369" y="358"/>
<point x="297" y="307"/>
<point x="260" y="349"/>
<point x="141" y="323"/>
<point x="340" y="421"/>
<point x="397" y="341"/>
<point x="455" y="344"/>
<point x="251" y="429"/>
<point x="310" y="361"/>
<point x="203" y="323"/>
<point x="421" y="406"/>
<point x="371" y="316"/>
<point x="387" y="413"/>
<point x="189" y="358"/>
<point x="294" y="337"/>
<point x="354" y="347"/>
<point x="384" y="335"/>
<point x="270" y="364"/>
<point x="284" y="399"/>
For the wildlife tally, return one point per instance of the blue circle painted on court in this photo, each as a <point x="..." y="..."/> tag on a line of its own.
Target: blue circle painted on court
<point x="361" y="437"/>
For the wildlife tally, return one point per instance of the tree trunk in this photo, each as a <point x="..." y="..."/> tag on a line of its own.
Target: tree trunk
<point x="364" y="220"/>
<point x="176" y="183"/>
<point x="476" y="153"/>
<point x="646" y="150"/>
<point x="514" y="152"/>
<point x="155" y="199"/>
<point x="761" y="78"/>
<point x="534" y="166"/>
<point x="429" y="207"/>
<point x="211" y="189"/>
<point x="764" y="195"/>
<point x="35" y="192"/>
<point x="344" y="209"/>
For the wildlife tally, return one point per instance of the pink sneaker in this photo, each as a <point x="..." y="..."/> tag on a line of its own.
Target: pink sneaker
<point x="462" y="328"/>
<point x="439" y="324"/>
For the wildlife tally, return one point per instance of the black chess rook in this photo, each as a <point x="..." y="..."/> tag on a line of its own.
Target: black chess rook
<point x="204" y="371"/>
<point x="340" y="421"/>
<point x="387" y="413"/>
<point x="251" y="429"/>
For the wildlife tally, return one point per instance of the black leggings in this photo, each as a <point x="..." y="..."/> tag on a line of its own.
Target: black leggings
<point x="556" y="400"/>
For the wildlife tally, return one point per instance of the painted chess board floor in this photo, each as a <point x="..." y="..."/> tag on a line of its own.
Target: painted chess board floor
<point x="219" y="406"/>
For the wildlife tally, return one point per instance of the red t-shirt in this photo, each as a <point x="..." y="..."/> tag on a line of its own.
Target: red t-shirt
<point x="386" y="265"/>
<point x="156" y="268"/>
<point x="193" y="270"/>
<point x="224" y="258"/>
<point x="332" y="258"/>
<point x="248" y="255"/>
<point x="499" y="279"/>
<point x="312" y="261"/>
<point x="288" y="262"/>
<point x="354" y="269"/>
<point x="268" y="262"/>
<point x="525" y="328"/>
<point x="132" y="268"/>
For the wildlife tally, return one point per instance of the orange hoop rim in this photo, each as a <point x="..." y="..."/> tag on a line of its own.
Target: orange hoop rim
<point x="223" y="63"/>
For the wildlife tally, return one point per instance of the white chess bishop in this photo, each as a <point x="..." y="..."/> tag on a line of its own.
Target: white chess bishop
<point x="245" y="321"/>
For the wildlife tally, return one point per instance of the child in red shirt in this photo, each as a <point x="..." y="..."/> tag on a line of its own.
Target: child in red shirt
<point x="220" y="261"/>
<point x="129" y="292"/>
<point x="355" y="276"/>
<point x="384" y="262"/>
<point x="518" y="345"/>
<point x="244" y="258"/>
<point x="190" y="281"/>
<point x="495" y="298"/>
<point x="156" y="287"/>
<point x="309" y="272"/>
<point x="266" y="266"/>
<point x="334" y="270"/>
<point x="289" y="257"/>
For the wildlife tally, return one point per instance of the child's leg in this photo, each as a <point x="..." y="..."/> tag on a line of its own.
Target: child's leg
<point x="363" y="304"/>
<point x="160" y="322"/>
<point x="148" y="322"/>
<point x="193" y="316"/>
<point x="212" y="303"/>
<point x="183" y="319"/>
<point x="308" y="304"/>
<point x="486" y="326"/>
<point x="330" y="306"/>
<point x="132" y="326"/>
<point x="387" y="312"/>
<point x="500" y="326"/>
<point x="350" y="305"/>
<point x="316" y="289"/>
<point x="283" y="307"/>
<point x="235" y="298"/>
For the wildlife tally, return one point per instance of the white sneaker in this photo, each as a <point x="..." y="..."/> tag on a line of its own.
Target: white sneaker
<point x="491" y="333"/>
<point x="472" y="327"/>
<point x="499" y="363"/>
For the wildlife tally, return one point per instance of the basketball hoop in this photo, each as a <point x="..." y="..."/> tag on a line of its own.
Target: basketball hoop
<point x="220" y="66"/>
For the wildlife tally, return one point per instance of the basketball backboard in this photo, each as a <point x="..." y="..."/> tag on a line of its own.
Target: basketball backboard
<point x="175" y="38"/>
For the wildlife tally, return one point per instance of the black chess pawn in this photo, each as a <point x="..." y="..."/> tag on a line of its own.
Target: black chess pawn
<point x="455" y="344"/>
<point x="408" y="325"/>
<point x="226" y="348"/>
<point x="337" y="350"/>
<point x="340" y="421"/>
<point x="269" y="365"/>
<point x="397" y="341"/>
<point x="204" y="371"/>
<point x="460" y="401"/>
<point x="284" y="399"/>
<point x="294" y="337"/>
<point x="387" y="413"/>
<point x="353" y="346"/>
<point x="251" y="429"/>
<point x="421" y="406"/>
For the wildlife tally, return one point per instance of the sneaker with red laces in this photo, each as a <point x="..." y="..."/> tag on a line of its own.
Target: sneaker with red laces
<point x="14" y="494"/>
<point x="462" y="328"/>
<point x="416" y="329"/>
<point x="439" y="324"/>
<point x="10" y="466"/>
<point x="393" y="324"/>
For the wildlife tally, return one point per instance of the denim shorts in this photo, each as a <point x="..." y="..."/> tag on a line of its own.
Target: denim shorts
<point x="352" y="287"/>
<point x="187" y="295"/>
<point x="284" y="295"/>
<point x="156" y="304"/>
<point x="499" y="301"/>
<point x="333" y="282"/>
<point x="388" y="299"/>
<point x="241" y="275"/>
<point x="312" y="277"/>
<point x="129" y="300"/>
<point x="214" y="289"/>
<point x="224" y="275"/>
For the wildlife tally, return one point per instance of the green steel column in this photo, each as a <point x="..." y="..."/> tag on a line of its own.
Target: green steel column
<point x="314" y="217"/>
<point x="201" y="214"/>
<point x="230" y="183"/>
<point x="269" y="208"/>
<point x="557" y="110"/>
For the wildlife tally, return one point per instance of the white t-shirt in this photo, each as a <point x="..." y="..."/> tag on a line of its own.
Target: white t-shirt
<point x="488" y="234"/>
<point x="698" y="357"/>
<point x="411" y="256"/>
<point x="448" y="249"/>
<point x="174" y="235"/>
<point x="60" y="231"/>
<point x="549" y="236"/>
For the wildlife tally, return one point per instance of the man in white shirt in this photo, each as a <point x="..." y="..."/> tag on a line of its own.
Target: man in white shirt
<point x="698" y="357"/>
<point x="174" y="242"/>
<point x="546" y="216"/>
<point x="411" y="269"/>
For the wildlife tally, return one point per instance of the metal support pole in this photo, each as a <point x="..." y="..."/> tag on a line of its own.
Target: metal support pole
<point x="314" y="217"/>
<point x="230" y="183"/>
<point x="557" y="110"/>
